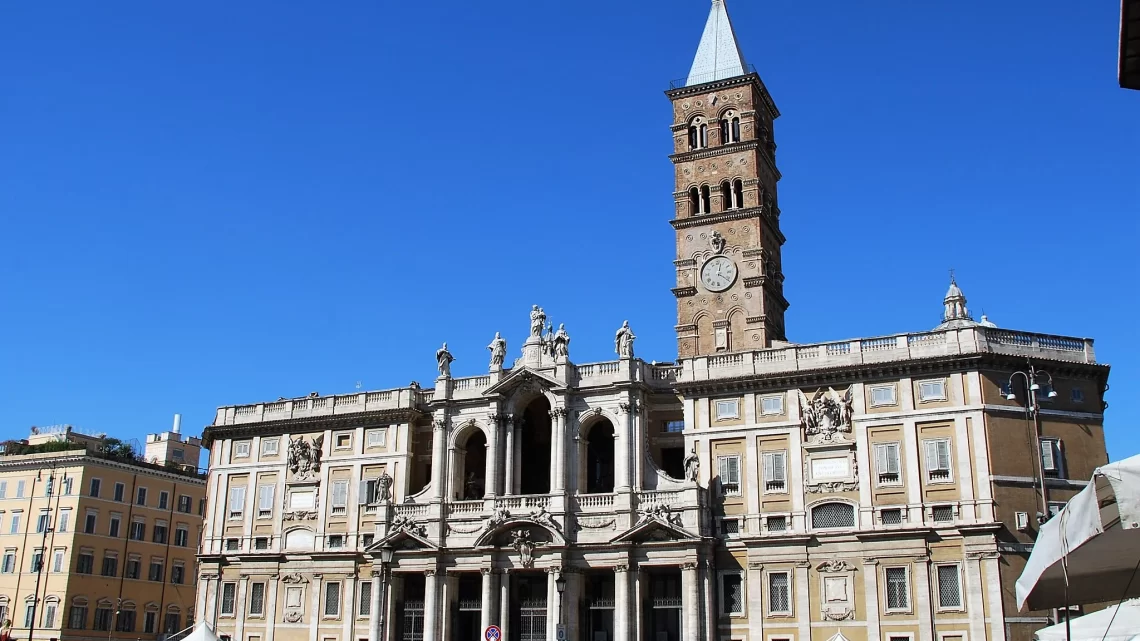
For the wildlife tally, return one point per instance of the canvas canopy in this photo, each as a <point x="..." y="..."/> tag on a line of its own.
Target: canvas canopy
<point x="1095" y="626"/>
<point x="1096" y="538"/>
<point x="201" y="633"/>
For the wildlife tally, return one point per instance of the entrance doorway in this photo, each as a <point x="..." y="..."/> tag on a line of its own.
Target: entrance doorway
<point x="665" y="606"/>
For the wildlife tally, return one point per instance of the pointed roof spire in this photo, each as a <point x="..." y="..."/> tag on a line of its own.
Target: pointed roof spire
<point x="718" y="56"/>
<point x="955" y="313"/>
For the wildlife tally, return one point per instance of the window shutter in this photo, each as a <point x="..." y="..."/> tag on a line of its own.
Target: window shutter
<point x="931" y="455"/>
<point x="734" y="469"/>
<point x="265" y="498"/>
<point x="1048" y="461"/>
<point x="778" y="467"/>
<point x="881" y="459"/>
<point x="769" y="467"/>
<point x="362" y="493"/>
<point x="943" y="455"/>
<point x="892" y="451"/>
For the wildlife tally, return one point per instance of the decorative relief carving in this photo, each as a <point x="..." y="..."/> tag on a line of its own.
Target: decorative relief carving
<point x="522" y="542"/>
<point x="294" y="578"/>
<point x="293" y="616"/>
<point x="658" y="512"/>
<point x="596" y="523"/>
<point x="629" y="407"/>
<point x="836" y="565"/>
<point x="305" y="457"/>
<point x="406" y="524"/>
<point x="826" y="416"/>
<point x="299" y="515"/>
<point x="621" y="567"/>
<point x="689" y="565"/>
<point x="831" y="487"/>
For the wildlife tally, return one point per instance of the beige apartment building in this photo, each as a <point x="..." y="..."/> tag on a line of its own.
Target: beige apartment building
<point x="872" y="489"/>
<point x="97" y="545"/>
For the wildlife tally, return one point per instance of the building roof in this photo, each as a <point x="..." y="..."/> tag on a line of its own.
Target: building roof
<point x="718" y="56"/>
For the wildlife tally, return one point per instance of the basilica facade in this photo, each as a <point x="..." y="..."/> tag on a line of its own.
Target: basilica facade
<point x="875" y="489"/>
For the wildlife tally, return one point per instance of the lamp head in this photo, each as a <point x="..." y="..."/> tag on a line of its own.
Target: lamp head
<point x="1035" y="387"/>
<point x="560" y="583"/>
<point x="1010" y="396"/>
<point x="386" y="554"/>
<point x="1052" y="393"/>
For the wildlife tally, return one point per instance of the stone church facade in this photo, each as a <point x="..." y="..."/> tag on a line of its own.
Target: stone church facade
<point x="876" y="489"/>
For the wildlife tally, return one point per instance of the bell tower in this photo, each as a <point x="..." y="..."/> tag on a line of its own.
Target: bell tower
<point x="730" y="291"/>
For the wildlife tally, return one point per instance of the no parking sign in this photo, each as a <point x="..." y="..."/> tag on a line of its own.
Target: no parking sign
<point x="492" y="633"/>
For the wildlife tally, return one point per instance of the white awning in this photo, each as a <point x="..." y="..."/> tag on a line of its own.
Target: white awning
<point x="1095" y="626"/>
<point x="1096" y="537"/>
<point x="201" y="633"/>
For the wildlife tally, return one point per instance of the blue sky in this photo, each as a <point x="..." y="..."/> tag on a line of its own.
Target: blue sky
<point x="215" y="203"/>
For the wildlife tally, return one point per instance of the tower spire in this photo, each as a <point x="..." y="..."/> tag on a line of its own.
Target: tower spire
<point x="718" y="56"/>
<point x="955" y="314"/>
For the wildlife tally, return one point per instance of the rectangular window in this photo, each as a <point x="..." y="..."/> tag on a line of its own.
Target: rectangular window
<point x="367" y="540"/>
<point x="181" y="536"/>
<point x="77" y="618"/>
<point x="898" y="590"/>
<point x="931" y="391"/>
<point x="201" y="507"/>
<point x="377" y="438"/>
<point x="233" y="545"/>
<point x="110" y="566"/>
<point x="126" y="621"/>
<point x="264" y="501"/>
<point x="364" y="606"/>
<point x="67" y="486"/>
<point x="237" y="501"/>
<point x="178" y="454"/>
<point x="779" y="593"/>
<point x="37" y="560"/>
<point x="150" y="620"/>
<point x="241" y="449"/>
<point x="777" y="523"/>
<point x="269" y="447"/>
<point x="157" y="572"/>
<point x="85" y="563"/>
<point x="29" y="615"/>
<point x="89" y="523"/>
<point x="120" y="490"/>
<point x="49" y="615"/>
<point x="9" y="562"/>
<point x="732" y="594"/>
<point x="185" y="504"/>
<point x="336" y="541"/>
<point x="163" y="500"/>
<point x="173" y="621"/>
<point x="728" y="468"/>
<point x="949" y="588"/>
<point x="43" y="522"/>
<point x="887" y="464"/>
<point x="229" y="591"/>
<point x="942" y="513"/>
<point x="261" y="543"/>
<point x="343" y="441"/>
<point x="1055" y="508"/>
<point x="339" y="498"/>
<point x="775" y="471"/>
<point x="1076" y="395"/>
<point x="103" y="616"/>
<point x="1051" y="456"/>
<point x="3" y="489"/>
<point x="937" y="459"/>
<point x="140" y="496"/>
<point x="64" y="520"/>
<point x="771" y="405"/>
<point x="256" y="599"/>
<point x="113" y="530"/>
<point x="726" y="410"/>
<point x="891" y="517"/>
<point x="729" y="527"/>
<point x="160" y="533"/>
<point x="94" y="490"/>
<point x="883" y="395"/>
<point x="57" y="561"/>
<point x="20" y="485"/>
<point x="674" y="427"/>
<point x="332" y="599"/>
<point x="133" y="568"/>
<point x="15" y="529"/>
<point x="177" y="574"/>
<point x="138" y="531"/>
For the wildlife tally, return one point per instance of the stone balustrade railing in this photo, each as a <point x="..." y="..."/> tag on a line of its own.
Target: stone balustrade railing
<point x="901" y="347"/>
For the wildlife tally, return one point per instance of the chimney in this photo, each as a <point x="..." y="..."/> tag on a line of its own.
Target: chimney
<point x="177" y="429"/>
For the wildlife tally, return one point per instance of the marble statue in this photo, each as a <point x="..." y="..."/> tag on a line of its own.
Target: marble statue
<point x="384" y="488"/>
<point x="717" y="241"/>
<point x="537" y="321"/>
<point x="623" y="341"/>
<point x="498" y="349"/>
<point x="692" y="465"/>
<point x="561" y="342"/>
<point x="443" y="360"/>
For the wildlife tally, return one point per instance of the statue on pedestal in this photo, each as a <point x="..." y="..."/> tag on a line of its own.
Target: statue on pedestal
<point x="692" y="465"/>
<point x="561" y="342"/>
<point x="498" y="349"/>
<point x="537" y="321"/>
<point x="623" y="341"/>
<point x="443" y="360"/>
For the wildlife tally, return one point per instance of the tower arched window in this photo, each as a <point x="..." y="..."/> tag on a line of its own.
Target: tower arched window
<point x="736" y="130"/>
<point x="698" y="133"/>
<point x="725" y="196"/>
<point x="694" y="201"/>
<point x="706" y="200"/>
<point x="730" y="128"/>
<point x="738" y="193"/>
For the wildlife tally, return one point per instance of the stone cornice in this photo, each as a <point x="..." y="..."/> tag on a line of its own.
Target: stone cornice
<point x="70" y="458"/>
<point x="720" y="150"/>
<point x="311" y="424"/>
<point x="735" y="81"/>
<point x="711" y="219"/>
<point x="684" y="292"/>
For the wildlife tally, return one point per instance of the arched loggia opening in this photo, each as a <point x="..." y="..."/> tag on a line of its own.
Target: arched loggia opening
<point x="600" y="458"/>
<point x="534" y="453"/>
<point x="471" y="477"/>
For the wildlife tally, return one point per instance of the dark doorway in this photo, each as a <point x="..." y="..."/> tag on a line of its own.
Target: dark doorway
<point x="534" y="472"/>
<point x="528" y="611"/>
<point x="673" y="462"/>
<point x="664" y="610"/>
<point x="474" y="467"/>
<point x="600" y="458"/>
<point x="410" y="613"/>
<point x="597" y="613"/>
<point x="468" y="608"/>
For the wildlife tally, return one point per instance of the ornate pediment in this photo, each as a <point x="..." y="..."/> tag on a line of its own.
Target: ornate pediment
<point x="655" y="525"/>
<point x="521" y="378"/>
<point x="404" y="533"/>
<point x="502" y="521"/>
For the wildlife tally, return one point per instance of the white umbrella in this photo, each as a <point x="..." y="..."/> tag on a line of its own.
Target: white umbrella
<point x="201" y="633"/>
<point x="1124" y="619"/>
<point x="1096" y="539"/>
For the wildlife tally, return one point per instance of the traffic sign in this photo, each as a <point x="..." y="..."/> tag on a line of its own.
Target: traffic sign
<point x="560" y="633"/>
<point x="493" y="633"/>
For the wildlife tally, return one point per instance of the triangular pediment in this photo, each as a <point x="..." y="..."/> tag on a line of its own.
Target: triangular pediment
<point x="519" y="377"/>
<point x="401" y="539"/>
<point x="654" y="531"/>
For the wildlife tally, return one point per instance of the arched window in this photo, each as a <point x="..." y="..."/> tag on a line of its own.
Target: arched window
<point x="738" y="193"/>
<point x="833" y="515"/>
<point x="729" y="127"/>
<point x="77" y="616"/>
<point x="698" y="133"/>
<point x="704" y="141"/>
<point x="694" y="202"/>
<point x="736" y="130"/>
<point x="725" y="196"/>
<point x="3" y="608"/>
<point x="706" y="199"/>
<point x="600" y="458"/>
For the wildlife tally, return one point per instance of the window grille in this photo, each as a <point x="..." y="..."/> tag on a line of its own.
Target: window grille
<point x="777" y="523"/>
<point x="891" y="517"/>
<point x="233" y="545"/>
<point x="949" y="589"/>
<point x="532" y="621"/>
<point x="942" y="513"/>
<point x="257" y="599"/>
<point x="413" y="628"/>
<point x="229" y="592"/>
<point x="261" y="543"/>
<point x="898" y="595"/>
<point x="733" y="589"/>
<point x="365" y="607"/>
<point x="332" y="599"/>
<point x="730" y="526"/>
<point x="832" y="515"/>
<point x="779" y="600"/>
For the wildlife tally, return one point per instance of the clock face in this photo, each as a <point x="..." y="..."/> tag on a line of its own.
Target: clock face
<point x="718" y="273"/>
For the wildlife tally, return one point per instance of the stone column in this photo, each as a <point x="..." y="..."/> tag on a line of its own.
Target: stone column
<point x="448" y="595"/>
<point x="710" y="611"/>
<point x="690" y="601"/>
<point x="431" y="604"/>
<point x="208" y="600"/>
<point x="622" y="447"/>
<point x="439" y="460"/>
<point x="972" y="591"/>
<point x="376" y="617"/>
<point x="992" y="583"/>
<point x="558" y="450"/>
<point x="801" y="592"/>
<point x="348" y="608"/>
<point x="491" y="475"/>
<point x="505" y="603"/>
<point x="756" y="600"/>
<point x="871" y="596"/>
<point x="453" y="476"/>
<point x="239" y="607"/>
<point x="271" y="606"/>
<point x="921" y="573"/>
<point x="573" y="596"/>
<point x="622" y="605"/>
<point x="315" y="611"/>
<point x="552" y="605"/>
<point x="509" y="468"/>
<point x="487" y="613"/>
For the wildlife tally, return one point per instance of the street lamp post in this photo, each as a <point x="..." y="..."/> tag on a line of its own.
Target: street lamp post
<point x="1036" y="380"/>
<point x="386" y="554"/>
<point x="560" y="585"/>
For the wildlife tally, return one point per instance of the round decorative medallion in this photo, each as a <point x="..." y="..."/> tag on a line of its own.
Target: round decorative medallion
<point x="704" y="301"/>
<point x="689" y="237"/>
<point x="686" y="171"/>
<point x="685" y="106"/>
<point x="732" y="231"/>
<point x="702" y="236"/>
<point x="751" y="264"/>
<point x="743" y="161"/>
<point x="739" y="95"/>
<point x="700" y="104"/>
<point x="701" y="168"/>
<point x="756" y="338"/>
<point x="720" y="299"/>
<point x="735" y="297"/>
<point x="713" y="166"/>
<point x="689" y="303"/>
<point x="747" y="295"/>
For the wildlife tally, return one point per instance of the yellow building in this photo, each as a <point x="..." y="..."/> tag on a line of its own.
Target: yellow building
<point x="95" y="543"/>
